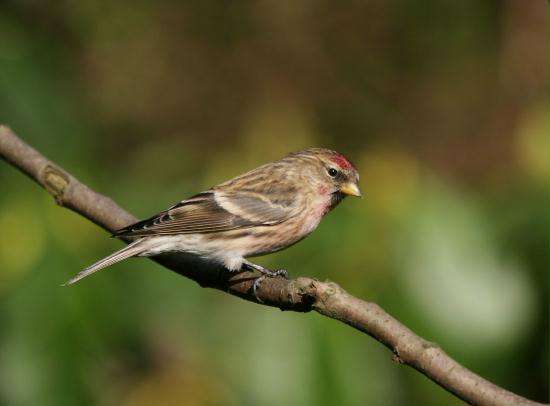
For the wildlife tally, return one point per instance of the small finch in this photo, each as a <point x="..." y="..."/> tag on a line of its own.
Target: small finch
<point x="262" y="211"/>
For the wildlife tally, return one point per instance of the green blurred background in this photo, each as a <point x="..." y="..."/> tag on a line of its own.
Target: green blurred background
<point x="441" y="104"/>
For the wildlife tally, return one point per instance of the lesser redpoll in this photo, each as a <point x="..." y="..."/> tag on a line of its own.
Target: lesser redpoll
<point x="262" y="211"/>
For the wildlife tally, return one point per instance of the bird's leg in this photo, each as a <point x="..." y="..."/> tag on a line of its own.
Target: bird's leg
<point x="266" y="273"/>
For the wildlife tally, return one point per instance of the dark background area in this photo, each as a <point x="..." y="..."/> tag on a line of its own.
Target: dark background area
<point x="443" y="107"/>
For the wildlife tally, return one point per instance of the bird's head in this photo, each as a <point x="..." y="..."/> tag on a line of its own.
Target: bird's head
<point x="332" y="172"/>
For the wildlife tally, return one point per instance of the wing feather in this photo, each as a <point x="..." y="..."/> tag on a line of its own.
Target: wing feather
<point x="209" y="212"/>
<point x="255" y="207"/>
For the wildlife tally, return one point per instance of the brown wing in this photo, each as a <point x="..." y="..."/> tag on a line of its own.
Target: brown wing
<point x="258" y="208"/>
<point x="210" y="212"/>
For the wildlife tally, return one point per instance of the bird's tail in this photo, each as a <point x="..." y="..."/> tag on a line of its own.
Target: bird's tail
<point x="131" y="250"/>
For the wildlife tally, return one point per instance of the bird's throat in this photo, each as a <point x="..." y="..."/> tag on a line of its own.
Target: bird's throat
<point x="334" y="199"/>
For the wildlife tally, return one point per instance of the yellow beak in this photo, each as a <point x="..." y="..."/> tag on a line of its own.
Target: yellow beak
<point x="351" y="189"/>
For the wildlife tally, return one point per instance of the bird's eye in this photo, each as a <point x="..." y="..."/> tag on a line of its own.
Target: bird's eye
<point x="332" y="172"/>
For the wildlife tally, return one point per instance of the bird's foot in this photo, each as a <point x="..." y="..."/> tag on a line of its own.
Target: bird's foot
<point x="270" y="274"/>
<point x="265" y="273"/>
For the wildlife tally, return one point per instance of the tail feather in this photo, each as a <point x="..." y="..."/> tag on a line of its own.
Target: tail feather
<point x="131" y="250"/>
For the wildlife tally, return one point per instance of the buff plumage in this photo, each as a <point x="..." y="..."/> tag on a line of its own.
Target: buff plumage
<point x="262" y="211"/>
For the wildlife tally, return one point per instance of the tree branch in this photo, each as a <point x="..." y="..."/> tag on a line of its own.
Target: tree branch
<point x="301" y="294"/>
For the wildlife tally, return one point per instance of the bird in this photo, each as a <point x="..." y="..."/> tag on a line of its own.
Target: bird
<point x="259" y="212"/>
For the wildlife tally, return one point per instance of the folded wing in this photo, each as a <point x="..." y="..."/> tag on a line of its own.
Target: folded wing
<point x="212" y="211"/>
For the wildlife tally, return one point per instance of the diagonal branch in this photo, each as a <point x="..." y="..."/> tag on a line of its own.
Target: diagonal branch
<point x="301" y="294"/>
